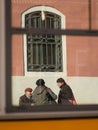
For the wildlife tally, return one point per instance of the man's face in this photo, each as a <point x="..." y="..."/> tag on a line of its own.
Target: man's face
<point x="59" y="84"/>
<point x="28" y="94"/>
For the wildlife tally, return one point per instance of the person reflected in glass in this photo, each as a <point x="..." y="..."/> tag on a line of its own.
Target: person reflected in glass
<point x="26" y="100"/>
<point x="43" y="95"/>
<point x="65" y="96"/>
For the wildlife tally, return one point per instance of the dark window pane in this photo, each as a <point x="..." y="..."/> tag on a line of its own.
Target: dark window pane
<point x="44" y="52"/>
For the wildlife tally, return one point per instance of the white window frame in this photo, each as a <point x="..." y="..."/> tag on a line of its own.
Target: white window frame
<point x="51" y="10"/>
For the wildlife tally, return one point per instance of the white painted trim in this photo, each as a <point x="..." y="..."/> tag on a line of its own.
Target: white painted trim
<point x="52" y="10"/>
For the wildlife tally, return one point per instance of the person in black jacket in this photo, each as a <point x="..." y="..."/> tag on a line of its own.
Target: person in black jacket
<point x="65" y="96"/>
<point x="26" y="99"/>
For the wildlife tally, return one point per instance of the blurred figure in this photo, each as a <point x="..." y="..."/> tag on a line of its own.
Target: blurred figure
<point x="65" y="96"/>
<point x="43" y="95"/>
<point x="26" y="100"/>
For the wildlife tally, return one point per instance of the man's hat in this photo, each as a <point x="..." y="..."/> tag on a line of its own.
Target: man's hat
<point x="28" y="89"/>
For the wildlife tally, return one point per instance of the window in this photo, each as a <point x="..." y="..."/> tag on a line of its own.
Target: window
<point x="44" y="52"/>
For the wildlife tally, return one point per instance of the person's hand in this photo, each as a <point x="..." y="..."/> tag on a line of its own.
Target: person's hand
<point x="73" y="102"/>
<point x="32" y="104"/>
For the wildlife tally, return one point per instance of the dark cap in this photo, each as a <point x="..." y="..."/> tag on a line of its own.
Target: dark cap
<point x="28" y="89"/>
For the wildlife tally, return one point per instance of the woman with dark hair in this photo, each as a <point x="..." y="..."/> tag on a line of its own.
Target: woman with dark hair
<point x="43" y="95"/>
<point x="40" y="82"/>
<point x="65" y="96"/>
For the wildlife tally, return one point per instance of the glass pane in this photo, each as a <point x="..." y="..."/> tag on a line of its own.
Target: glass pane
<point x="72" y="13"/>
<point x="42" y="51"/>
<point x="82" y="67"/>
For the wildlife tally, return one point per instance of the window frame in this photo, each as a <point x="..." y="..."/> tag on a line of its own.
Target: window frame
<point x="11" y="112"/>
<point x="63" y="26"/>
<point x="44" y="55"/>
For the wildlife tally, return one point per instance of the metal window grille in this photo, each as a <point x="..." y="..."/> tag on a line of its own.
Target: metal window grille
<point x="44" y="52"/>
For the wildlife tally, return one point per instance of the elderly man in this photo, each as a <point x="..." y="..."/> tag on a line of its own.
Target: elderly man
<point x="26" y="100"/>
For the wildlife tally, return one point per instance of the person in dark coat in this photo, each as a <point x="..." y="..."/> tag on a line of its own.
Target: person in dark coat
<point x="26" y="100"/>
<point x="43" y="95"/>
<point x="65" y="96"/>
